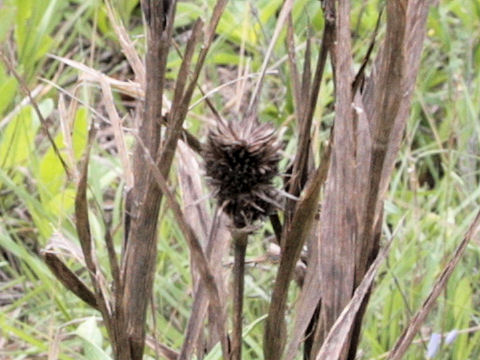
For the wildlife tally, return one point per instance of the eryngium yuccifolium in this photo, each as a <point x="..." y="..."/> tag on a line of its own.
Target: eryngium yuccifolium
<point x="241" y="161"/>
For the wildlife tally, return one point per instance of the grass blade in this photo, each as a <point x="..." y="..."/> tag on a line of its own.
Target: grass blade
<point x="404" y="341"/>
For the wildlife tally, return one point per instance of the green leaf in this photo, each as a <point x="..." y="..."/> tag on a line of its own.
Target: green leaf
<point x="51" y="173"/>
<point x="463" y="302"/>
<point x="17" y="141"/>
<point x="7" y="17"/>
<point x="216" y="352"/>
<point x="8" y="88"/>
<point x="92" y="338"/>
<point x="80" y="132"/>
<point x="51" y="177"/>
<point x="61" y="203"/>
<point x="187" y="13"/>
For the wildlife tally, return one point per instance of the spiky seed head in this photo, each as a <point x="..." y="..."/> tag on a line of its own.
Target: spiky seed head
<point x="241" y="161"/>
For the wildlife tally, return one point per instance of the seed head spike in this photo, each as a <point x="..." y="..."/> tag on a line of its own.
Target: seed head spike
<point x="241" y="160"/>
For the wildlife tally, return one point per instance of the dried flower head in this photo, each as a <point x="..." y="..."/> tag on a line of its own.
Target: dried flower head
<point x="241" y="160"/>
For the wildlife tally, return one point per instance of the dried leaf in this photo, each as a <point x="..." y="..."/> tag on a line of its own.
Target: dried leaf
<point x="117" y="131"/>
<point x="338" y="335"/>
<point x="307" y="207"/>
<point x="69" y="279"/>
<point x="129" y="88"/>
<point x="127" y="45"/>
<point x="338" y="229"/>
<point x="82" y="225"/>
<point x="363" y="156"/>
<point x="214" y="237"/>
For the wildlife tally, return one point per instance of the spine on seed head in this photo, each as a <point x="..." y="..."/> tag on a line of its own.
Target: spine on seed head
<point x="241" y="161"/>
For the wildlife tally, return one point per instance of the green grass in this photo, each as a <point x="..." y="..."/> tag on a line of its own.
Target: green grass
<point x="433" y="196"/>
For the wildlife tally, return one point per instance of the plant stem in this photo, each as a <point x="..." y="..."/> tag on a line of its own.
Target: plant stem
<point x="240" y="240"/>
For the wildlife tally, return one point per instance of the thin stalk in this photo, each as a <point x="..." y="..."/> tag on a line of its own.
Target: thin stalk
<point x="240" y="240"/>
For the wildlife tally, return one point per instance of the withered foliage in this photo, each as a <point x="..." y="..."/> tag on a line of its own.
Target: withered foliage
<point x="333" y="208"/>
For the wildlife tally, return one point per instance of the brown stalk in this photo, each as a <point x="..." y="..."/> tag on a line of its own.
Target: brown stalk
<point x="216" y="248"/>
<point x="214" y="237"/>
<point x="360" y="76"/>
<point x="195" y="323"/>
<point x="117" y="131"/>
<point x="185" y="68"/>
<point x="132" y="280"/>
<point x="139" y="263"/>
<point x="205" y="98"/>
<point x="240" y="241"/>
<point x="362" y="159"/>
<point x="112" y="258"/>
<point x="305" y="107"/>
<point x="143" y="202"/>
<point x="292" y="63"/>
<point x="197" y="253"/>
<point x="388" y="102"/>
<point x="337" y="229"/>
<point x="82" y="224"/>
<point x="306" y="94"/>
<point x="300" y="226"/>
<point x="338" y="336"/>
<point x="165" y="351"/>
<point x="416" y="12"/>
<point x="307" y="304"/>
<point x="178" y="116"/>
<point x="192" y="192"/>
<point x="306" y="80"/>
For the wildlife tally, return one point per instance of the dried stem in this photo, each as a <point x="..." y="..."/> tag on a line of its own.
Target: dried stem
<point x="368" y="135"/>
<point x="198" y="255"/>
<point x="240" y="240"/>
<point x="275" y="327"/>
<point x="140" y="254"/>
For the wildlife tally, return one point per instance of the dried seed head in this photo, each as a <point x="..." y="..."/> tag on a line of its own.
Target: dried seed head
<point x="241" y="162"/>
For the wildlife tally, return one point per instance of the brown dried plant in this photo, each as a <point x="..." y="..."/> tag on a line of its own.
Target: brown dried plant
<point x="241" y="161"/>
<point x="124" y="311"/>
<point x="333" y="208"/>
<point x="344" y="239"/>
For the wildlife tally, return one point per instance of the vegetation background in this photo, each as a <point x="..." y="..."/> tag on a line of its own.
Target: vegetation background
<point x="433" y="196"/>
